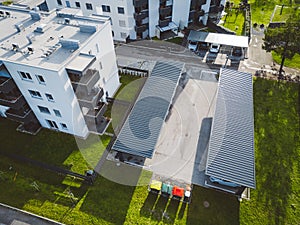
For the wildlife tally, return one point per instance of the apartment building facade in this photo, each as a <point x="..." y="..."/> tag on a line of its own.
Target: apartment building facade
<point x="59" y="67"/>
<point x="138" y="19"/>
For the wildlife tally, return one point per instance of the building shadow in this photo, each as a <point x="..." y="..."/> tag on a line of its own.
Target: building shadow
<point x="147" y="208"/>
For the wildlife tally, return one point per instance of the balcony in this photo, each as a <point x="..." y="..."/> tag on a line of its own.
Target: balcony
<point x="142" y="15"/>
<point x="164" y="23"/>
<point x="166" y="11"/>
<point x="195" y="14"/>
<point x="140" y="3"/>
<point x="13" y="99"/>
<point x="6" y="84"/>
<point x="141" y="28"/>
<point x="86" y="82"/>
<point x="31" y="125"/>
<point x="96" y="115"/>
<point x="90" y="100"/>
<point x="20" y="115"/>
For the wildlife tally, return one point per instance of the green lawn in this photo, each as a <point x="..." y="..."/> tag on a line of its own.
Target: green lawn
<point x="175" y="40"/>
<point x="261" y="11"/>
<point x="276" y="199"/>
<point x="234" y="20"/>
<point x="293" y="63"/>
<point x="286" y="12"/>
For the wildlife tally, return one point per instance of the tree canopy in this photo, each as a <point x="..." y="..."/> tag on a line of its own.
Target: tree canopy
<point x="284" y="40"/>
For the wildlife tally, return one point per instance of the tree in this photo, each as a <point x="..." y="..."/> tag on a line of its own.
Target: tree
<point x="284" y="40"/>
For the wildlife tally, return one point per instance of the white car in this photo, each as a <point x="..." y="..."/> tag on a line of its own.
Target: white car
<point x="214" y="48"/>
<point x="193" y="46"/>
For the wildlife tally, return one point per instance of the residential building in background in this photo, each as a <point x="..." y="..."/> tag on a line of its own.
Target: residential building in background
<point x="138" y="19"/>
<point x="56" y="70"/>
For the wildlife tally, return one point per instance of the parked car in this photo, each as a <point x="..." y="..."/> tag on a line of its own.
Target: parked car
<point x="203" y="46"/>
<point x="214" y="48"/>
<point x="223" y="182"/>
<point x="193" y="46"/>
<point x="237" y="51"/>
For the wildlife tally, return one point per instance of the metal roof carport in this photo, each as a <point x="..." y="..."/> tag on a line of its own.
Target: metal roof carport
<point x="142" y="127"/>
<point x="223" y="39"/>
<point x="231" y="146"/>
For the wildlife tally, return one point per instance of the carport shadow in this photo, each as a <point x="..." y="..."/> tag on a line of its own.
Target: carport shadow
<point x="198" y="176"/>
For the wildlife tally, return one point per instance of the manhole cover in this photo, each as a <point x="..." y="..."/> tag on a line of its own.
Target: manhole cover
<point x="206" y="204"/>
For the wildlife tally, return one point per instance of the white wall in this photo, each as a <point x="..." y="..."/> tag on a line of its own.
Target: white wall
<point x="59" y="86"/>
<point x="153" y="16"/>
<point x="180" y="14"/>
<point x="205" y="7"/>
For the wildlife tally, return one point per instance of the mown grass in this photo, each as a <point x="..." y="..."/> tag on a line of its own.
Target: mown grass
<point x="286" y="12"/>
<point x="234" y="20"/>
<point x="261" y="11"/>
<point x="276" y="199"/>
<point x="293" y="62"/>
<point x="175" y="40"/>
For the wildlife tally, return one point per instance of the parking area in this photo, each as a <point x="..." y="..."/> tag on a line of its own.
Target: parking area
<point x="181" y="149"/>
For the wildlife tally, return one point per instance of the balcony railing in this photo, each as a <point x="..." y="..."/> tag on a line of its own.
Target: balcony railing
<point x="6" y="84"/>
<point x="139" y="3"/>
<point x="90" y="100"/>
<point x="95" y="115"/>
<point x="86" y="82"/>
<point x="19" y="115"/>
<point x="141" y="28"/>
<point x="142" y="15"/>
<point x="164" y="23"/>
<point x="167" y="11"/>
<point x="16" y="102"/>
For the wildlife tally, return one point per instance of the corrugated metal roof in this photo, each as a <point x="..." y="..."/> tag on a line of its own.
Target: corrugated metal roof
<point x="231" y="147"/>
<point x="141" y="129"/>
<point x="223" y="39"/>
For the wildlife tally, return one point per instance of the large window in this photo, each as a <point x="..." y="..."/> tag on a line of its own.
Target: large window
<point x="25" y="76"/>
<point x="89" y="6"/>
<point x="77" y="4"/>
<point x="121" y="10"/>
<point x="40" y="79"/>
<point x="57" y="112"/>
<point x="35" y="94"/>
<point x="59" y="2"/>
<point x="105" y="8"/>
<point x="44" y="109"/>
<point x="52" y="124"/>
<point x="49" y="97"/>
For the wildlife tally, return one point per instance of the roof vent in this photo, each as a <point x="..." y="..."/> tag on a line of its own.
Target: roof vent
<point x="20" y="27"/>
<point x="15" y="47"/>
<point x="30" y="49"/>
<point x="41" y="28"/>
<point x="35" y="15"/>
<point x="69" y="43"/>
<point x="30" y="38"/>
<point x="67" y="21"/>
<point x="84" y="28"/>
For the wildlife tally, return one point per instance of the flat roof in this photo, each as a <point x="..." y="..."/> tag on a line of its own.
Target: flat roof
<point x="223" y="39"/>
<point x="231" y="147"/>
<point x="48" y="51"/>
<point x="81" y="62"/>
<point x="142" y="127"/>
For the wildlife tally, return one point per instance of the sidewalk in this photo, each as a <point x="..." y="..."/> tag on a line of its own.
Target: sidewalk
<point x="13" y="216"/>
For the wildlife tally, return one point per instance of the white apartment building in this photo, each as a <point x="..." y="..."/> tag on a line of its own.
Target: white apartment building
<point x="61" y="65"/>
<point x="137" y="19"/>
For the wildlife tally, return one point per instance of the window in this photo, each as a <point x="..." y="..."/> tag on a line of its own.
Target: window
<point x="59" y="2"/>
<point x="35" y="94"/>
<point x="25" y="76"/>
<point x="77" y="4"/>
<point x="112" y="33"/>
<point x="123" y="35"/>
<point x="57" y="112"/>
<point x="52" y="124"/>
<point x="44" y="109"/>
<point x="121" y="10"/>
<point x="100" y="64"/>
<point x="63" y="126"/>
<point x="122" y="23"/>
<point x="105" y="8"/>
<point x="49" y="97"/>
<point x="40" y="78"/>
<point x="89" y="6"/>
